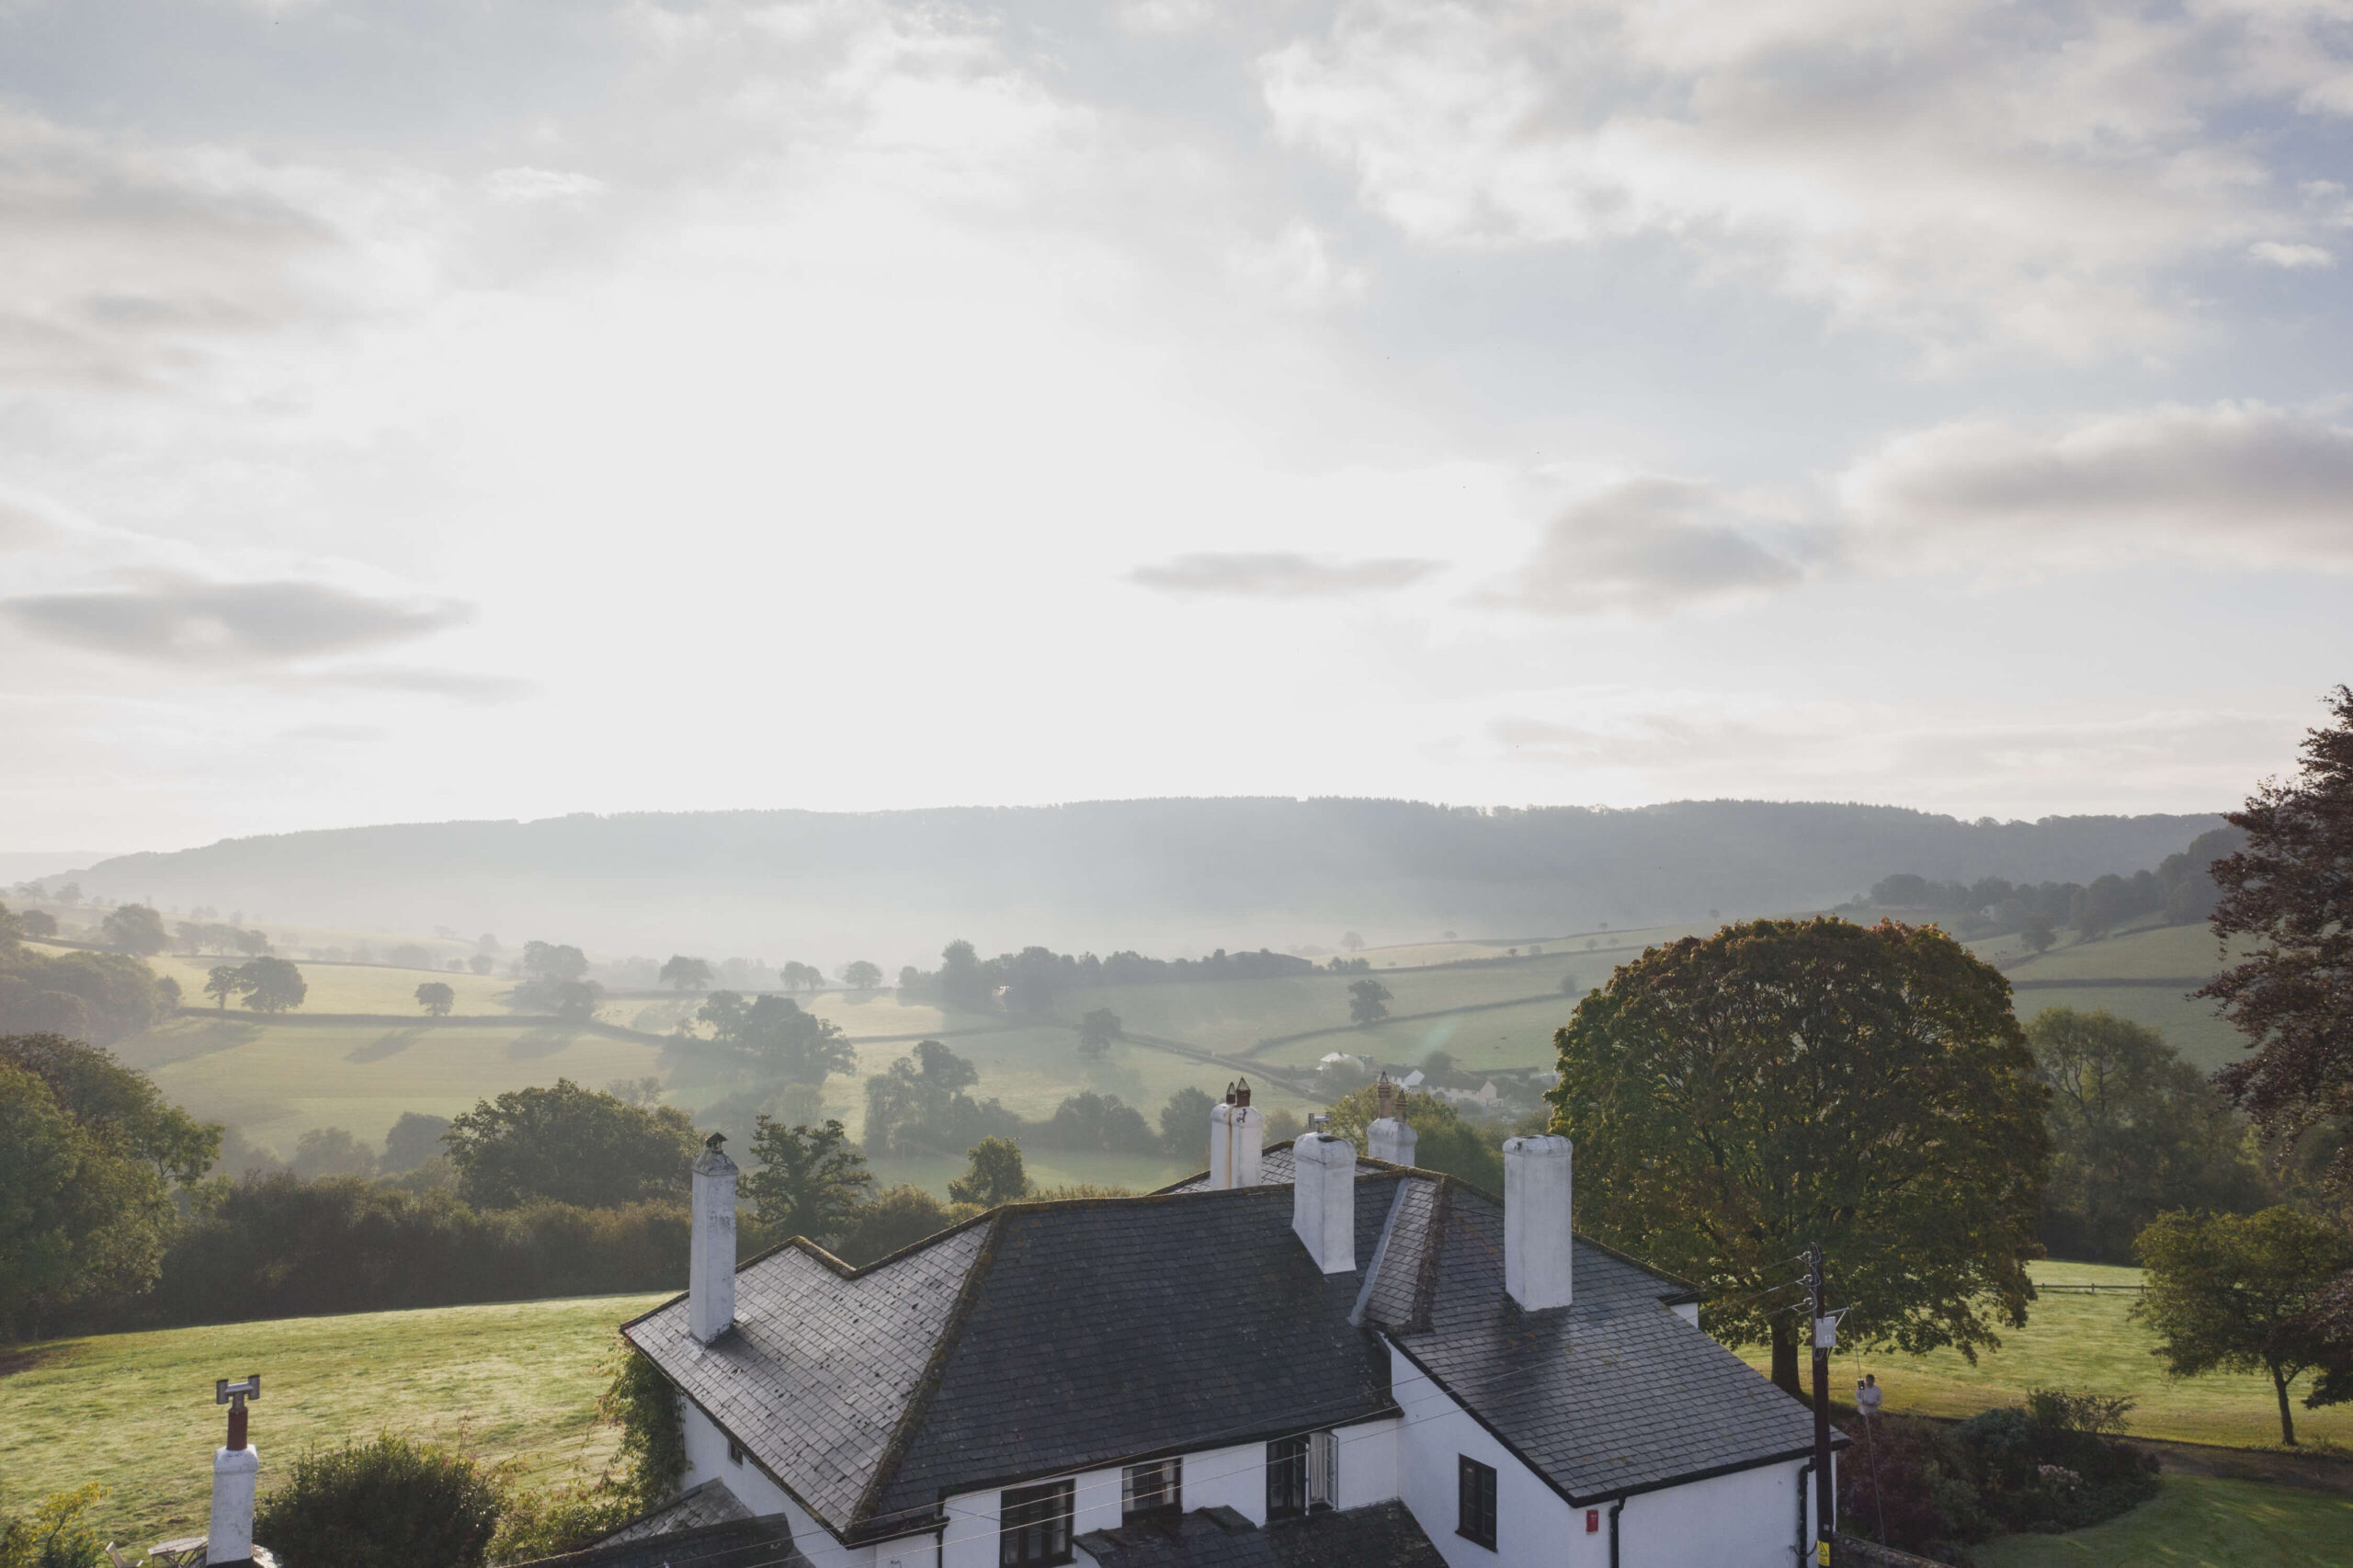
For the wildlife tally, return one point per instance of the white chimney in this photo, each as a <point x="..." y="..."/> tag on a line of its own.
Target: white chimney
<point x="1237" y="1139"/>
<point x="1324" y="1199"/>
<point x="229" y="1537"/>
<point x="1536" y="1221"/>
<point x="710" y="1269"/>
<point x="1389" y="1138"/>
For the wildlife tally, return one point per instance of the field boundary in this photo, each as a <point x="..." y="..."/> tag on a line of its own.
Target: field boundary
<point x="1273" y="1041"/>
<point x="413" y="1020"/>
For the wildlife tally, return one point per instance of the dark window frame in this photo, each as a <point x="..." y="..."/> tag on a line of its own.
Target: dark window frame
<point x="1474" y="1501"/>
<point x="734" y="1451"/>
<point x="1287" y="1478"/>
<point x="1161" y="1479"/>
<point x="1034" y="1524"/>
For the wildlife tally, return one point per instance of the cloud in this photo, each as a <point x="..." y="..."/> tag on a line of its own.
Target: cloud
<point x="2294" y="258"/>
<point x="1279" y="575"/>
<point x="1964" y="172"/>
<point x="171" y="618"/>
<point x="2241" y="483"/>
<point x="455" y="684"/>
<point x="524" y="183"/>
<point x="1651" y="544"/>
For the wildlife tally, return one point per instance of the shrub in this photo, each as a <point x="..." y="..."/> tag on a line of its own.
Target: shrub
<point x="1911" y="1474"/>
<point x="391" y="1502"/>
<point x="2051" y="1472"/>
<point x="57" y="1534"/>
<point x="899" y="1216"/>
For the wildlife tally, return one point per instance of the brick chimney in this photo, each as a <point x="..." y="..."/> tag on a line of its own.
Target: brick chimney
<point x="1536" y="1221"/>
<point x="1324" y="1199"/>
<point x="230" y="1538"/>
<point x="1237" y="1139"/>
<point x="1389" y="1138"/>
<point x="710" y="1269"/>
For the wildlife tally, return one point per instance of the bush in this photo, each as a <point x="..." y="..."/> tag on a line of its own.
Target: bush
<point x="1911" y="1474"/>
<point x="2036" y="1475"/>
<point x="387" y="1503"/>
<point x="899" y="1216"/>
<point x="57" y="1534"/>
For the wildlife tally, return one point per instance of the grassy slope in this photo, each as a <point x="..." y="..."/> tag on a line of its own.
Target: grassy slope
<point x="349" y="987"/>
<point x="2197" y="1522"/>
<point x="277" y="1080"/>
<point x="2086" y="1342"/>
<point x="134" y="1410"/>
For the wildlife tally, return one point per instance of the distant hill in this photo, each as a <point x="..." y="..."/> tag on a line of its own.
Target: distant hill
<point x="1161" y="875"/>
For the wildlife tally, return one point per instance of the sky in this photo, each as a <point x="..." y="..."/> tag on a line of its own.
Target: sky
<point x="443" y="409"/>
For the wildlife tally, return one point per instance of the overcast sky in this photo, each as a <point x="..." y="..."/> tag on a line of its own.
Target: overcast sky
<point x="437" y="409"/>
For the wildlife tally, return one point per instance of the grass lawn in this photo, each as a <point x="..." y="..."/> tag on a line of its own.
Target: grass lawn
<point x="2204" y="1040"/>
<point x="135" y="1412"/>
<point x="2156" y="952"/>
<point x="2086" y="1342"/>
<point x="277" y="1081"/>
<point x="1499" y="1036"/>
<point x="2197" y="1522"/>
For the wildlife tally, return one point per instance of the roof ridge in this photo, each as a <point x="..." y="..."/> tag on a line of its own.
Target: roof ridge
<point x="918" y="1398"/>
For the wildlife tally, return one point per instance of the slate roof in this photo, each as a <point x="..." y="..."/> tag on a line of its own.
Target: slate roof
<point x="1048" y="1338"/>
<point x="1611" y="1395"/>
<point x="734" y="1543"/>
<point x="1385" y="1535"/>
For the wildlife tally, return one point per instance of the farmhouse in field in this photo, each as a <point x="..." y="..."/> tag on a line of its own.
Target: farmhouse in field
<point x="1299" y="1359"/>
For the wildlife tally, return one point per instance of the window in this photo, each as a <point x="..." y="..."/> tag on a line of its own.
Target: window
<point x="1034" y="1525"/>
<point x="1322" y="1471"/>
<point x="1149" y="1489"/>
<point x="1475" y="1501"/>
<point x="734" y="1451"/>
<point x="1287" y="1478"/>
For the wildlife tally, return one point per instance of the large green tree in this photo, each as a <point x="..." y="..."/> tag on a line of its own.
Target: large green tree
<point x="89" y="1153"/>
<point x="272" y="986"/>
<point x="809" y="1180"/>
<point x="569" y="1145"/>
<point x="1784" y="1083"/>
<point x="2243" y="1293"/>
<point x="994" y="1175"/>
<point x="135" y="929"/>
<point x="2135" y="1132"/>
<point x="778" y="1039"/>
<point x="2289" y="890"/>
<point x="1443" y="1140"/>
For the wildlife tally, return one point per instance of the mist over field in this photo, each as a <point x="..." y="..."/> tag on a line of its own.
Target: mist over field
<point x="1166" y="876"/>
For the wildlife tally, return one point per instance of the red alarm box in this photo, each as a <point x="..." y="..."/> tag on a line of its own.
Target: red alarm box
<point x="1593" y="1521"/>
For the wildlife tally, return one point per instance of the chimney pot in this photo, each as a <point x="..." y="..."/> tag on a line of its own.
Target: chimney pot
<point x="1237" y="1142"/>
<point x="710" y="1270"/>
<point x="1324" y="1199"/>
<point x="229" y="1537"/>
<point x="1537" y="1241"/>
<point x="1389" y="1138"/>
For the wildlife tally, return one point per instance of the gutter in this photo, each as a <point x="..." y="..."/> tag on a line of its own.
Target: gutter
<point x="1615" y="1510"/>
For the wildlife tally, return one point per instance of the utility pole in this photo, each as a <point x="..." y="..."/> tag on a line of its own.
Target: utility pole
<point x="1824" y="1329"/>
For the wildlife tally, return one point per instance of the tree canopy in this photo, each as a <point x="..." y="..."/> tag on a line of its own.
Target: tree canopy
<point x="776" y="1036"/>
<point x="271" y="986"/>
<point x="569" y="1145"/>
<point x="89" y="1151"/>
<point x="994" y="1176"/>
<point x="1783" y="1083"/>
<point x="684" y="973"/>
<point x="1443" y="1140"/>
<point x="2243" y="1293"/>
<point x="135" y="929"/>
<point x="808" y="1181"/>
<point x="860" y="974"/>
<point x="437" y="997"/>
<point x="1097" y="1030"/>
<point x="2135" y="1130"/>
<point x="1368" y="1002"/>
<point x="2288" y="890"/>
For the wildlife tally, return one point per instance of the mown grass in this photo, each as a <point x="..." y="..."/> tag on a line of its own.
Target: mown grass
<point x="2197" y="1522"/>
<point x="134" y="1411"/>
<point x="2085" y="1342"/>
<point x="277" y="1081"/>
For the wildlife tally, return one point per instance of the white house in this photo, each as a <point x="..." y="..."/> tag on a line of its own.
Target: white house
<point x="1298" y="1359"/>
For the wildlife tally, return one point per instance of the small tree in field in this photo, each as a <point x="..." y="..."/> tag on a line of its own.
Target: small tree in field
<point x="1783" y="1083"/>
<point x="2243" y="1293"/>
<point x="221" y="983"/>
<point x="682" y="973"/>
<point x="1368" y="1003"/>
<point x="272" y="986"/>
<point x="810" y="1182"/>
<point x="436" y="997"/>
<point x="135" y="929"/>
<point x="861" y="975"/>
<point x="994" y="1175"/>
<point x="1096" y="1031"/>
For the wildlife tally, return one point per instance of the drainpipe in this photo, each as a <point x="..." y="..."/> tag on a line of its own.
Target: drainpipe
<point x="1615" y="1510"/>
<point x="1805" y="1472"/>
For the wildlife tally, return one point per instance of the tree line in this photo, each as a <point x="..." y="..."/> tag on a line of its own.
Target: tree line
<point x="2181" y="889"/>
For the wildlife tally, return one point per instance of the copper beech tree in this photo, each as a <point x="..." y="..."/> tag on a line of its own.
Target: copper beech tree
<point x="1786" y="1082"/>
<point x="2291" y="889"/>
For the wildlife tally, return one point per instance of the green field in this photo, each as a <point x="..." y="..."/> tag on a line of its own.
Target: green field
<point x="2190" y="1028"/>
<point x="134" y="1410"/>
<point x="349" y="987"/>
<point x="277" y="1081"/>
<point x="2154" y="952"/>
<point x="2197" y="1522"/>
<point x="1480" y="1041"/>
<point x="2085" y="1342"/>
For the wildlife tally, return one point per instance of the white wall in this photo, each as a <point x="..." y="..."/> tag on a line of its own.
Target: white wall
<point x="1748" y="1519"/>
<point x="707" y="1460"/>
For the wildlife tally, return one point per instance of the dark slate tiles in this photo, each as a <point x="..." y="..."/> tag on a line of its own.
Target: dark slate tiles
<point x="1206" y="1538"/>
<point x="1613" y="1393"/>
<point x="736" y="1543"/>
<point x="1385" y="1535"/>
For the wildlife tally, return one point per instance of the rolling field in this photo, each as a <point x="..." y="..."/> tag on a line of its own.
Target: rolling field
<point x="2085" y="1342"/>
<point x="2157" y="952"/>
<point x="2197" y="1521"/>
<point x="134" y="1410"/>
<point x="277" y="1081"/>
<point x="349" y="987"/>
<point x="2204" y="1040"/>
